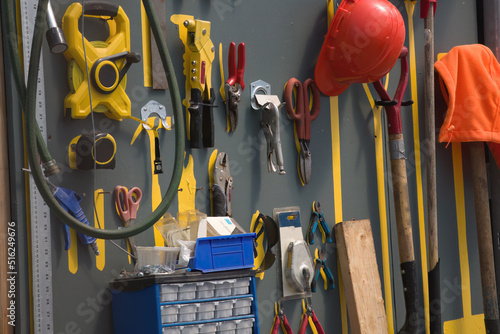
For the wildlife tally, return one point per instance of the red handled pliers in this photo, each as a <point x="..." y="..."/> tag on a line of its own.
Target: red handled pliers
<point x="280" y="319"/>
<point x="234" y="84"/>
<point x="309" y="317"/>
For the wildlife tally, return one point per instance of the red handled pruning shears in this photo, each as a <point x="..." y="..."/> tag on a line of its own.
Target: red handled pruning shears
<point x="303" y="114"/>
<point x="234" y="84"/>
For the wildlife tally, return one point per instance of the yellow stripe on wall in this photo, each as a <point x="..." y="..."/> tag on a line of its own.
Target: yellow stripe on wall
<point x="146" y="48"/>
<point x="469" y="323"/>
<point x="382" y="205"/>
<point x="410" y="6"/>
<point x="337" y="195"/>
<point x="337" y="179"/>
<point x="461" y="225"/>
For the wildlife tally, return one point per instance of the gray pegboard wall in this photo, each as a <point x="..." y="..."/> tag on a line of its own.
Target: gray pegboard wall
<point x="283" y="40"/>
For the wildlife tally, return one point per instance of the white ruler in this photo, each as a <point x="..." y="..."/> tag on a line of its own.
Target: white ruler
<point x="41" y="246"/>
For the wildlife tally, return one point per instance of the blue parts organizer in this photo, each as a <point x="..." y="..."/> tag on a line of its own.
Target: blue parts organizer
<point x="189" y="303"/>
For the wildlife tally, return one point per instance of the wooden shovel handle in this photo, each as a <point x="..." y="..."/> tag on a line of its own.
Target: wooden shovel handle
<point x="402" y="205"/>
<point x="484" y="235"/>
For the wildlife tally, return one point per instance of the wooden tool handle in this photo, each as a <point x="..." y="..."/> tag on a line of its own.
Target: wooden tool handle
<point x="402" y="206"/>
<point x="483" y="225"/>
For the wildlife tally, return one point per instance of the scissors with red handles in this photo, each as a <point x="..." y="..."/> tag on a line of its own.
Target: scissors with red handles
<point x="306" y="110"/>
<point x="127" y="203"/>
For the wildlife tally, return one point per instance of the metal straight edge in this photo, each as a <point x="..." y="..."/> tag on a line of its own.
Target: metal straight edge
<point x="41" y="246"/>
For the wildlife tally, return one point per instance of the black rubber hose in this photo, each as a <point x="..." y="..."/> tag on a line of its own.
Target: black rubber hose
<point x="32" y="142"/>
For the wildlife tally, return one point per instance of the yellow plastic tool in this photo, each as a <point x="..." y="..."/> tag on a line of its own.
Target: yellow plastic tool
<point x="155" y="183"/>
<point x="187" y="196"/>
<point x="199" y="53"/>
<point x="81" y="151"/>
<point x="100" y="260"/>
<point x="107" y="62"/>
<point x="257" y="261"/>
<point x="211" y="163"/>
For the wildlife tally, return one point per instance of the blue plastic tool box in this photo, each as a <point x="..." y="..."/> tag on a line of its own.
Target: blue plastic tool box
<point x="227" y="252"/>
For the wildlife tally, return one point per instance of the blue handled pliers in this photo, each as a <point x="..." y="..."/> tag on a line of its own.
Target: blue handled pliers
<point x="321" y="268"/>
<point x="317" y="216"/>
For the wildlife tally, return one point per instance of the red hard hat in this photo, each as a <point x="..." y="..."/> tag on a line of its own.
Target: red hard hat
<point x="362" y="45"/>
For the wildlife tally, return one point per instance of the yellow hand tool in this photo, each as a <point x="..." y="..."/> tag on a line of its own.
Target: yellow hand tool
<point x="198" y="57"/>
<point x="107" y="62"/>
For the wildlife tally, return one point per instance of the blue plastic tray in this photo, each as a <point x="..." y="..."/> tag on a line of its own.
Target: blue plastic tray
<point x="227" y="252"/>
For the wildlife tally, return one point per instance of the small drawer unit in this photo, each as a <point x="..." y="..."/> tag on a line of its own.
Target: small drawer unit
<point x="219" y="302"/>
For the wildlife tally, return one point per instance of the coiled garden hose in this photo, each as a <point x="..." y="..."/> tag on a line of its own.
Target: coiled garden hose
<point x="31" y="138"/>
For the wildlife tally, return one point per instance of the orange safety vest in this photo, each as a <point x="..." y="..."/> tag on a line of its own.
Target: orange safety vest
<point x="470" y="82"/>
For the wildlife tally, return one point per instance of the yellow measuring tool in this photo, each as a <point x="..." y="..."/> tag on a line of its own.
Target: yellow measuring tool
<point x="107" y="62"/>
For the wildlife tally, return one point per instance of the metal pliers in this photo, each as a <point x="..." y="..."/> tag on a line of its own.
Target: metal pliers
<point x="317" y="216"/>
<point x="321" y="268"/>
<point x="280" y="319"/>
<point x="234" y="84"/>
<point x="270" y="126"/>
<point x="309" y="317"/>
<point x="222" y="187"/>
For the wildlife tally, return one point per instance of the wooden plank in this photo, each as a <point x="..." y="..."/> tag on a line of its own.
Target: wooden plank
<point x="4" y="206"/>
<point x="358" y="264"/>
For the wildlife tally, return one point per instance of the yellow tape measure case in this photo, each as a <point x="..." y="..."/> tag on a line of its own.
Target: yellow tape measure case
<point x="81" y="151"/>
<point x="107" y="61"/>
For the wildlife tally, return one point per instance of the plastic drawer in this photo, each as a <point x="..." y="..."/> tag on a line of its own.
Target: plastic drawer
<point x="205" y="290"/>
<point x="241" y="286"/>
<point x="208" y="328"/>
<point x="187" y="312"/>
<point x="224" y="308"/>
<point x="244" y="326"/>
<point x="206" y="311"/>
<point x="242" y="306"/>
<point x="171" y="330"/>
<point x="168" y="292"/>
<point x="169" y="313"/>
<point x="224" y="288"/>
<point x="190" y="329"/>
<point x="227" y="327"/>
<point x="187" y="291"/>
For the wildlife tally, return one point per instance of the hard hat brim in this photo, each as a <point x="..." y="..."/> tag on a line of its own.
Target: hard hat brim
<point x="325" y="80"/>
